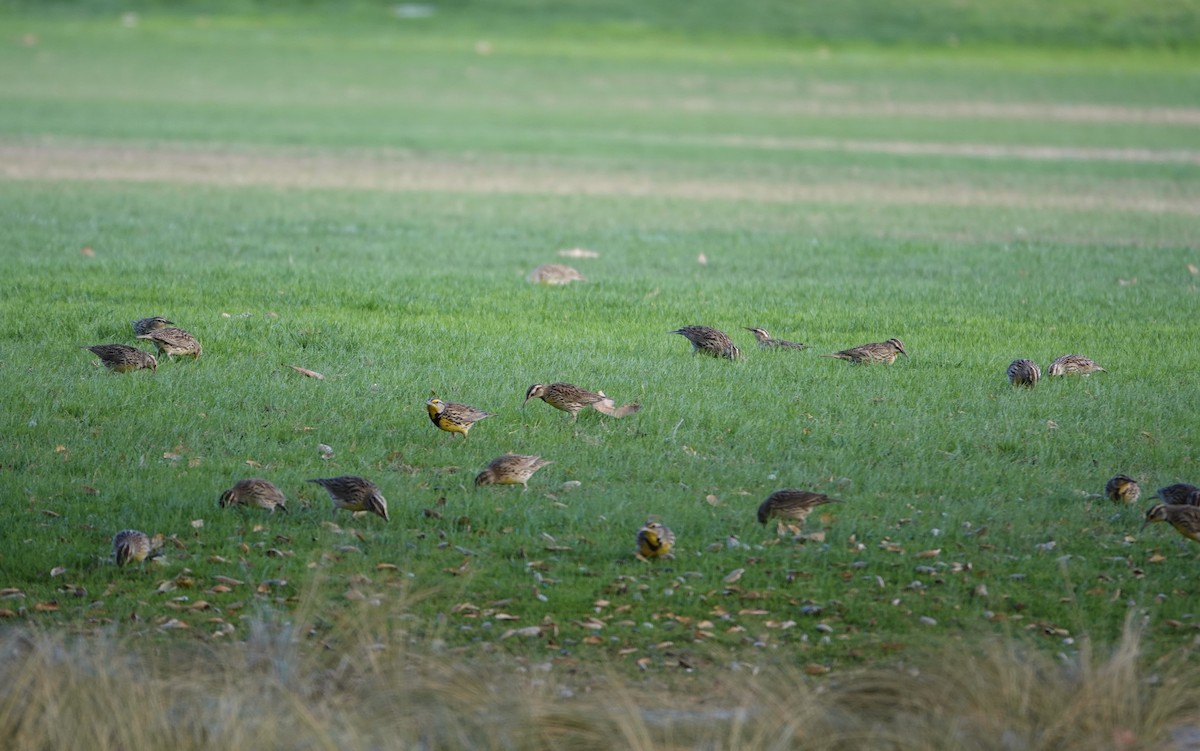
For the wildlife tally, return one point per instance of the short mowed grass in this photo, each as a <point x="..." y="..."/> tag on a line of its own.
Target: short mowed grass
<point x="970" y="509"/>
<point x="935" y="453"/>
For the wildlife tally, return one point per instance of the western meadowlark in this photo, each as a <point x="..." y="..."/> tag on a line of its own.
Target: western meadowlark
<point x="554" y="273"/>
<point x="354" y="494"/>
<point x="884" y="352"/>
<point x="654" y="540"/>
<point x="1073" y="365"/>
<point x="130" y="545"/>
<point x="511" y="469"/>
<point x="121" y="358"/>
<point x="172" y="341"/>
<point x="1180" y="494"/>
<point x="791" y="505"/>
<point x="1185" y="519"/>
<point x="710" y="341"/>
<point x="1024" y="372"/>
<point x="1123" y="489"/>
<point x="146" y="325"/>
<point x="570" y="398"/>
<point x="453" y="417"/>
<point x="256" y="492"/>
<point x="770" y="342"/>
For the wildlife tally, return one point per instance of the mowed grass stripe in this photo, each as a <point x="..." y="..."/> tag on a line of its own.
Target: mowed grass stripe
<point x="401" y="172"/>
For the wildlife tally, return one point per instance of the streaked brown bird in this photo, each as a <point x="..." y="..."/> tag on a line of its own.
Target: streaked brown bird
<point x="132" y="546"/>
<point x="792" y="506"/>
<point x="254" y="491"/>
<point x="1123" y="489"/>
<point x="511" y="469"/>
<point x="121" y="358"/>
<point x="1185" y="519"/>
<point x="570" y="398"/>
<point x="1073" y="365"/>
<point x="453" y="417"/>
<point x="146" y="325"/>
<point x="354" y="494"/>
<point x="875" y="352"/>
<point x="172" y="341"/>
<point x="770" y="342"/>
<point x="710" y="341"/>
<point x="1024" y="372"/>
<point x="655" y="540"/>
<point x="554" y="273"/>
<point x="1180" y="494"/>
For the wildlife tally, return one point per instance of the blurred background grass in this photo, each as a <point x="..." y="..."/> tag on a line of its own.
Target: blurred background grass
<point x="1079" y="23"/>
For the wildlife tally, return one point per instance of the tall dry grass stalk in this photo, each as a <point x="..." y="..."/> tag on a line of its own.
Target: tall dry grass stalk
<point x="366" y="685"/>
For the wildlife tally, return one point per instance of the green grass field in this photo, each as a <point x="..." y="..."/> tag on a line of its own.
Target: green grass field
<point x="363" y="196"/>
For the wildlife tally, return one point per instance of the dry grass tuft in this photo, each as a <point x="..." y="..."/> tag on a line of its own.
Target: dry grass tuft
<point x="279" y="688"/>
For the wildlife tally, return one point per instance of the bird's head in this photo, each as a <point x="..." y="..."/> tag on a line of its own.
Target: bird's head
<point x="535" y="391"/>
<point x="1157" y="513"/>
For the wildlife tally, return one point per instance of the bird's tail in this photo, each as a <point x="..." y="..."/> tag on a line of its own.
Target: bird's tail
<point x="608" y="407"/>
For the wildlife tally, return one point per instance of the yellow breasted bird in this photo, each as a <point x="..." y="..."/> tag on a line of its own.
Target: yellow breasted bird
<point x="254" y="491"/>
<point x="1123" y="489"/>
<point x="354" y="494"/>
<point x="453" y="417"/>
<point x="132" y="546"/>
<point x="655" y="540"/>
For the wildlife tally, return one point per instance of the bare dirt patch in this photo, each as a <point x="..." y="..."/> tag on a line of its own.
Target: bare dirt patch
<point x="401" y="172"/>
